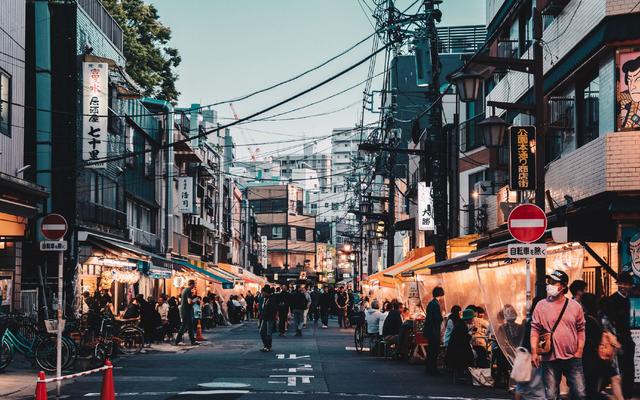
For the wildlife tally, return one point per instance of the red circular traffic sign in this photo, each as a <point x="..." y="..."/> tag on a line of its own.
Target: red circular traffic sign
<point x="53" y="226"/>
<point x="527" y="223"/>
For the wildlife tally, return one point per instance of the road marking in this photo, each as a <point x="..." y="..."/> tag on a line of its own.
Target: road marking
<point x="348" y="348"/>
<point x="291" y="357"/>
<point x="225" y="385"/>
<point x="292" y="380"/>
<point x="289" y="392"/>
<point x="210" y="392"/>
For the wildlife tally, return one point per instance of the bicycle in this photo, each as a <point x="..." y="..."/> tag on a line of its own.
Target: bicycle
<point x="124" y="336"/>
<point x="42" y="348"/>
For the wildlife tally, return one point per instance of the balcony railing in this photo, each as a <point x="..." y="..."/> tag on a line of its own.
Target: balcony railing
<point x="180" y="244"/>
<point x="196" y="248"/>
<point x="92" y="212"/>
<point x="461" y="39"/>
<point x="470" y="136"/>
<point x="143" y="238"/>
<point x="104" y="20"/>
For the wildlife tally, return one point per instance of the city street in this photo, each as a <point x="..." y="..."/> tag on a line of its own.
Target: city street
<point x="230" y="366"/>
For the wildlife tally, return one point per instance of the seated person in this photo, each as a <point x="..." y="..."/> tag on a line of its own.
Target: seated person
<point x="391" y="326"/>
<point x="372" y="316"/>
<point x="383" y="315"/>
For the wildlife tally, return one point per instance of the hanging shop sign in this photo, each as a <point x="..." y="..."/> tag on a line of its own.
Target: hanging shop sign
<point x="522" y="158"/>
<point x="95" y="89"/>
<point x="185" y="192"/>
<point x="263" y="251"/>
<point x="627" y="93"/>
<point x="425" y="207"/>
<point x="413" y="290"/>
<point x="179" y="281"/>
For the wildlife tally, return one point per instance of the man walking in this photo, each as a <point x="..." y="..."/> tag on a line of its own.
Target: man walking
<point x="618" y="312"/>
<point x="432" y="329"/>
<point x="326" y="300"/>
<point x="298" y="303"/>
<point x="186" y="310"/>
<point x="342" y="302"/>
<point x="283" y="309"/>
<point x="315" y="304"/>
<point x="268" y="318"/>
<point x="559" y="322"/>
<point x="250" y="300"/>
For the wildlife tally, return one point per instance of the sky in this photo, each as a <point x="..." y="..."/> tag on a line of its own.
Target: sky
<point x="230" y="48"/>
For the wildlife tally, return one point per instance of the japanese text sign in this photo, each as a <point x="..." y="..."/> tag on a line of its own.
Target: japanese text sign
<point x="522" y="153"/>
<point x="95" y="89"/>
<point x="425" y="207"/>
<point x="185" y="194"/>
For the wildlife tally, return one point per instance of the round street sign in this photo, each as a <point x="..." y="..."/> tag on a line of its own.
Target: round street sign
<point x="53" y="226"/>
<point x="527" y="223"/>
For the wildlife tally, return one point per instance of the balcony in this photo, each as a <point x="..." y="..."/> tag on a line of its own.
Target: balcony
<point x="470" y="136"/>
<point x="104" y="20"/>
<point x="144" y="239"/>
<point x="99" y="214"/>
<point x="195" y="248"/>
<point x="610" y="163"/>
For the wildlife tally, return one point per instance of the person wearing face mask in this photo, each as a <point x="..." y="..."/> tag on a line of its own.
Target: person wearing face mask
<point x="432" y="329"/>
<point x="562" y="319"/>
<point x="618" y="312"/>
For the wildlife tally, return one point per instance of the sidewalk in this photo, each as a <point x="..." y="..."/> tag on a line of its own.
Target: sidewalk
<point x="18" y="381"/>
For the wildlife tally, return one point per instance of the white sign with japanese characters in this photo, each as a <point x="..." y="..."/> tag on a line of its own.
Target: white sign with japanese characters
<point x="185" y="193"/>
<point x="425" y="207"/>
<point x="95" y="137"/>
<point x="522" y="250"/>
<point x="53" y="245"/>
<point x="263" y="251"/>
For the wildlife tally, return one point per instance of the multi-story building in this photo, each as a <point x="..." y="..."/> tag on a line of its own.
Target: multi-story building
<point x="289" y="232"/>
<point x="20" y="199"/>
<point x="310" y="158"/>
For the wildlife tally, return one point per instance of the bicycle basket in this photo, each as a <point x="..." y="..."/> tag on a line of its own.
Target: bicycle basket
<point x="52" y="325"/>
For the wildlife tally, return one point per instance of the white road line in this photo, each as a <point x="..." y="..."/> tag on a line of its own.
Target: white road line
<point x="224" y="385"/>
<point x="210" y="392"/>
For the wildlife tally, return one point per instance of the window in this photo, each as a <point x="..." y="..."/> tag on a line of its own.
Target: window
<point x="148" y="159"/>
<point x="277" y="232"/>
<point x="5" y="103"/>
<point x="139" y="216"/>
<point x="588" y="109"/>
<point x="104" y="191"/>
<point x="301" y="234"/>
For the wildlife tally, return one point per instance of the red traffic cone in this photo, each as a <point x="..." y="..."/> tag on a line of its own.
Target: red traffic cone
<point x="108" y="391"/>
<point x="41" y="387"/>
<point x="199" y="336"/>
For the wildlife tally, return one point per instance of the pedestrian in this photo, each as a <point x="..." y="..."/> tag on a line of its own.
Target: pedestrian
<point x="186" y="309"/>
<point x="534" y="389"/>
<point x="315" y="304"/>
<point x="163" y="311"/>
<point x="597" y="371"/>
<point x="326" y="301"/>
<point x="298" y="304"/>
<point x="342" y="302"/>
<point x="618" y="313"/>
<point x="307" y="295"/>
<point x="283" y="309"/>
<point x="267" y="318"/>
<point x="173" y="316"/>
<point x="197" y="312"/>
<point x="577" y="289"/>
<point x="432" y="330"/>
<point x="558" y="338"/>
<point x="250" y="300"/>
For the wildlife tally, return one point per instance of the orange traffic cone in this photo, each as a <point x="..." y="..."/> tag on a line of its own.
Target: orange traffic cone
<point x="108" y="391"/>
<point x="199" y="336"/>
<point x="41" y="387"/>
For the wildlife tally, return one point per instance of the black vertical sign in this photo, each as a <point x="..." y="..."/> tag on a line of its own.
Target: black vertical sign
<point x="522" y="158"/>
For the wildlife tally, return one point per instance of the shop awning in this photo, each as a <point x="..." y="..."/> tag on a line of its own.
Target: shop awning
<point x="205" y="273"/>
<point x="385" y="277"/>
<point x="160" y="265"/>
<point x="461" y="262"/>
<point x="411" y="266"/>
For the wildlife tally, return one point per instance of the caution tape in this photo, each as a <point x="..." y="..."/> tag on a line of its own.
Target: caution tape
<point x="83" y="373"/>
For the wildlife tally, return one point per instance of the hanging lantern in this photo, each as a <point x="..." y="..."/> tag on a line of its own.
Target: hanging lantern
<point x="467" y="85"/>
<point x="493" y="131"/>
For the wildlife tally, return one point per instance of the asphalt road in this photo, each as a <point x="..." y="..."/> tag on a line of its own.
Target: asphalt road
<point x="229" y="365"/>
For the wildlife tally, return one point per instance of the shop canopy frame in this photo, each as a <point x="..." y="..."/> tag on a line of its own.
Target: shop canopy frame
<point x="205" y="273"/>
<point x="159" y="264"/>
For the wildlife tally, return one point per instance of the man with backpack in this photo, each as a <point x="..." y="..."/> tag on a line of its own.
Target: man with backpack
<point x="558" y="338"/>
<point x="618" y="311"/>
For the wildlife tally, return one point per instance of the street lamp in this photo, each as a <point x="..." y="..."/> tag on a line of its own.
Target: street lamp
<point x="467" y="85"/>
<point x="493" y="131"/>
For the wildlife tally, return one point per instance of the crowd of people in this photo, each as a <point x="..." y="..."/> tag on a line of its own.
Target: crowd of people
<point x="584" y="339"/>
<point x="168" y="318"/>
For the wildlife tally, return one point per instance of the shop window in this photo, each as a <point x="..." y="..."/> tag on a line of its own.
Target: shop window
<point x="5" y="103"/>
<point x="588" y="96"/>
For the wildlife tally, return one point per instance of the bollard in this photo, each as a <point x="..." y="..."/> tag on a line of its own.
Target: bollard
<point x="108" y="391"/>
<point x="41" y="387"/>
<point x="199" y="336"/>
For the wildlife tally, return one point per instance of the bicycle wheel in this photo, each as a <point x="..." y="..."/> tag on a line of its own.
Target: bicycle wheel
<point x="46" y="353"/>
<point x="6" y="355"/>
<point x="103" y="350"/>
<point x="358" y="337"/>
<point x="72" y="351"/>
<point x="130" y="340"/>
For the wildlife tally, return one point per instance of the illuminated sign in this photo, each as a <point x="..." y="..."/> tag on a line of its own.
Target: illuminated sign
<point x="95" y="88"/>
<point x="425" y="207"/>
<point x="522" y="153"/>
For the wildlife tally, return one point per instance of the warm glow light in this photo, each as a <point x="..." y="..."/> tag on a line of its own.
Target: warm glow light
<point x="475" y="195"/>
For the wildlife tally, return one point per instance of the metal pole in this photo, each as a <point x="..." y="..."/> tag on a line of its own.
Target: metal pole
<point x="218" y="239"/>
<point x="528" y="284"/>
<point x="391" y="220"/>
<point x="59" y="327"/>
<point x="538" y="88"/>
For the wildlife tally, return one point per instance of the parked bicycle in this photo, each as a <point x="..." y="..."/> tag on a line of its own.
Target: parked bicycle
<point x="42" y="349"/>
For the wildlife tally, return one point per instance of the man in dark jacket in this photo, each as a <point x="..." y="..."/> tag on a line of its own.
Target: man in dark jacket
<point x="298" y="303"/>
<point x="250" y="299"/>
<point x="326" y="301"/>
<point x="282" y="302"/>
<point x="431" y="330"/>
<point x="618" y="311"/>
<point x="268" y="318"/>
<point x="392" y="322"/>
<point x="314" y="310"/>
<point x="342" y="303"/>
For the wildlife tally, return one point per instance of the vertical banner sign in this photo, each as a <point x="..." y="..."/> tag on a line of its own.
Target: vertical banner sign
<point x="425" y="207"/>
<point x="522" y="154"/>
<point x="185" y="191"/>
<point x="263" y="252"/>
<point x="95" y="89"/>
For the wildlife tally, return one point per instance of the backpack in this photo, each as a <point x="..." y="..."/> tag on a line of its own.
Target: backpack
<point x="608" y="347"/>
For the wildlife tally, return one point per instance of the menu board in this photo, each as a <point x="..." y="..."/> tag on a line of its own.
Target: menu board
<point x="635" y="335"/>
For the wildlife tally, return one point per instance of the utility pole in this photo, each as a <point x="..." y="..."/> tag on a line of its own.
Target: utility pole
<point x="218" y="239"/>
<point x="538" y="89"/>
<point x="391" y="217"/>
<point x="247" y="235"/>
